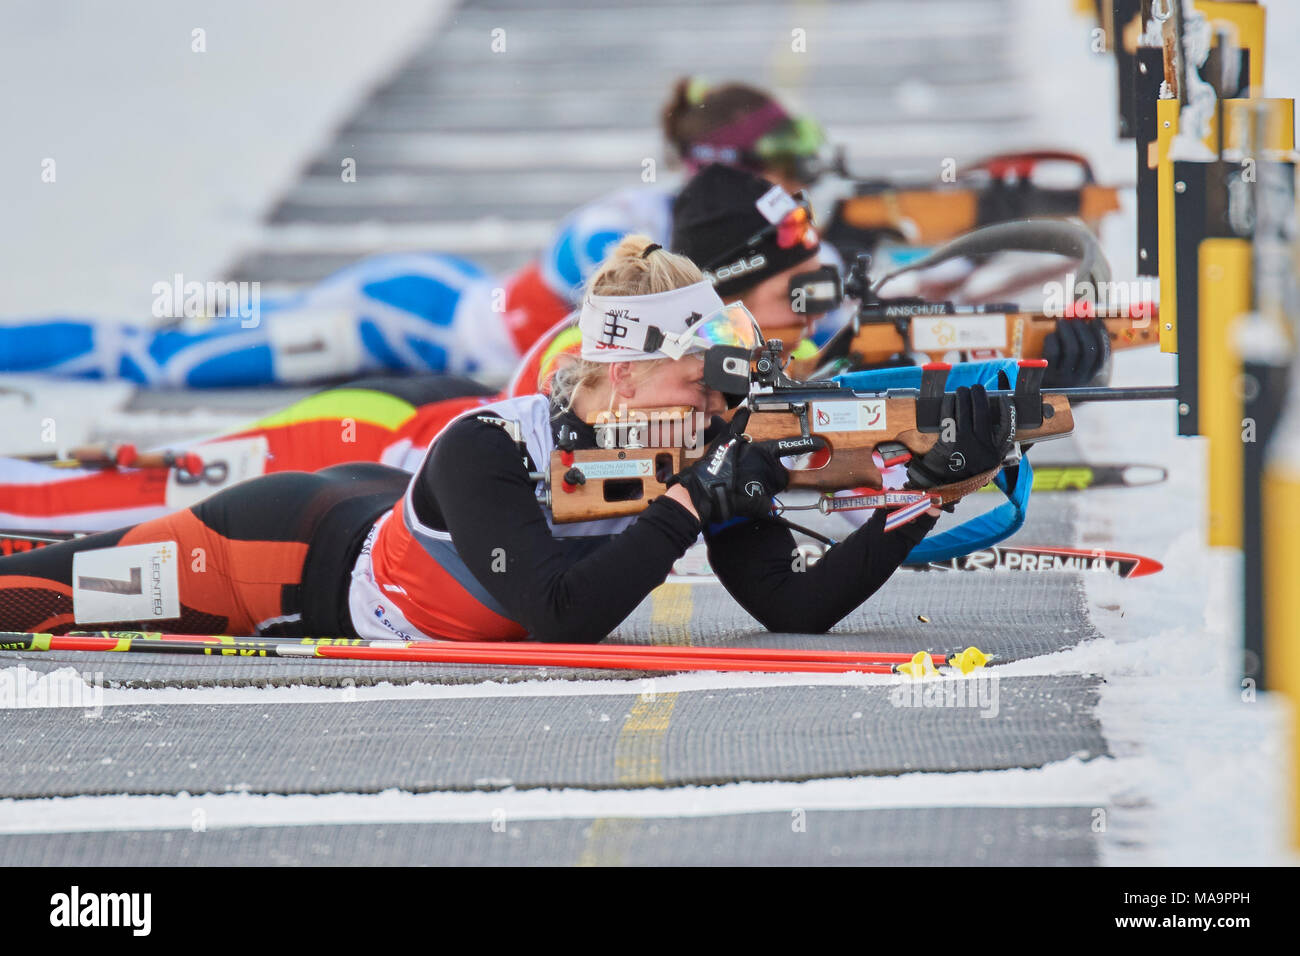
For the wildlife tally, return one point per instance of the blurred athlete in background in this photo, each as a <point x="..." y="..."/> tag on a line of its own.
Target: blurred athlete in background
<point x="428" y="312"/>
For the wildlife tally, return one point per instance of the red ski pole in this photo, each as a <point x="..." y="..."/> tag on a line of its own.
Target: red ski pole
<point x="432" y="652"/>
<point x="667" y="650"/>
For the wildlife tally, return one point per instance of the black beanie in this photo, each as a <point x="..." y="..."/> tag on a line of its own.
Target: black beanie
<point x="714" y="214"/>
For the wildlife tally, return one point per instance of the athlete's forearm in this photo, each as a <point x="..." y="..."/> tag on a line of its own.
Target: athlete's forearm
<point x="585" y="601"/>
<point x="759" y="564"/>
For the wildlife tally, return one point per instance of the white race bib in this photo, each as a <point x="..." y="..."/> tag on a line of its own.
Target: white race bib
<point x="139" y="582"/>
<point x="225" y="463"/>
<point x="314" y="343"/>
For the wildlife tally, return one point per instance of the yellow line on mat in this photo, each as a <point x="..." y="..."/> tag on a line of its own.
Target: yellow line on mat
<point x="638" y="752"/>
<point x="670" y="613"/>
<point x="638" y="761"/>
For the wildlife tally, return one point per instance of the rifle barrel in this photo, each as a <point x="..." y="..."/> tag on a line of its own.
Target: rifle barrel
<point x="1140" y="393"/>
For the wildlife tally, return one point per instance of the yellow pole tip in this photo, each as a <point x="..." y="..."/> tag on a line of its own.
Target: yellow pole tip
<point x="921" y="665"/>
<point x="969" y="659"/>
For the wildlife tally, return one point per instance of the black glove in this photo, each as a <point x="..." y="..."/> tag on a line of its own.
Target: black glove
<point x="1076" y="352"/>
<point x="735" y="477"/>
<point x="982" y="439"/>
<point x="760" y="474"/>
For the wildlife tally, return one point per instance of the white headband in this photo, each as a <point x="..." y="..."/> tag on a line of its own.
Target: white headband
<point x="631" y="328"/>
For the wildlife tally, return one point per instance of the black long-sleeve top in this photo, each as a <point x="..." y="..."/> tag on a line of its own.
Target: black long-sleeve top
<point x="475" y="486"/>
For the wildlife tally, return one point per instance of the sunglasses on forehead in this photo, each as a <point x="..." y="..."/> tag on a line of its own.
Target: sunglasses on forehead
<point x="795" y="228"/>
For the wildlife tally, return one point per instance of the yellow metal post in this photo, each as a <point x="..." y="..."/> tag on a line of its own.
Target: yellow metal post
<point x="1225" y="294"/>
<point x="1281" y="541"/>
<point x="1279" y="130"/>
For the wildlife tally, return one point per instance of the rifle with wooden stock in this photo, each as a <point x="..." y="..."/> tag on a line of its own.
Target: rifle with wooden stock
<point x="894" y="331"/>
<point x="836" y="430"/>
<point x="998" y="189"/>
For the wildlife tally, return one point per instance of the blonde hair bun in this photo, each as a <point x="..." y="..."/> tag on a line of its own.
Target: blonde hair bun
<point x="627" y="270"/>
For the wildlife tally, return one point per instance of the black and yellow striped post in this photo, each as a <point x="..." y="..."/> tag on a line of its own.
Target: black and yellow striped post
<point x="1272" y="467"/>
<point x="1224" y="204"/>
<point x="1191" y="183"/>
<point x="1225" y="297"/>
<point x="1226" y="293"/>
<point x="1259" y="133"/>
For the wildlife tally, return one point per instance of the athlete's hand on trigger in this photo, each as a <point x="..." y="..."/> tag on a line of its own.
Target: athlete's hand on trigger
<point x="710" y="480"/>
<point x="759" y="475"/>
<point x="736" y="477"/>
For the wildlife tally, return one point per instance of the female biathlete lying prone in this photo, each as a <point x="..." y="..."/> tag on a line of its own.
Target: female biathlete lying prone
<point x="465" y="548"/>
<point x="721" y="216"/>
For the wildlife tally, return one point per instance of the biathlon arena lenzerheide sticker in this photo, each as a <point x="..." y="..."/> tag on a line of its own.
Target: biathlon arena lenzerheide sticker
<point x="631" y="468"/>
<point x="139" y="582"/>
<point x="936" y="333"/>
<point x="840" y="416"/>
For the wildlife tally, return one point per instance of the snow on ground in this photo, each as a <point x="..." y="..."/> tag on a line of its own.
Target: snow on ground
<point x="1061" y="784"/>
<point x="1195" y="776"/>
<point x="1205" y="758"/>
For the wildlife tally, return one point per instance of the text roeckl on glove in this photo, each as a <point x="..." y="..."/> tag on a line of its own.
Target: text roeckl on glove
<point x="736" y="477"/>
